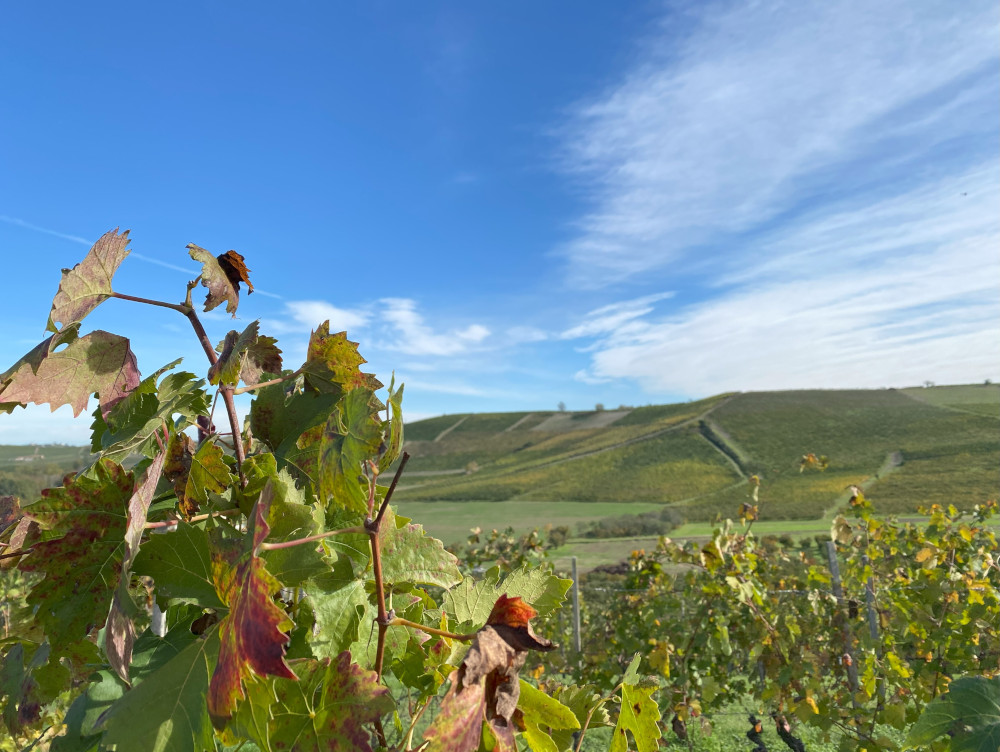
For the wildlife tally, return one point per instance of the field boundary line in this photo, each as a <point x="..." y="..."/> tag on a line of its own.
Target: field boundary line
<point x="451" y="428"/>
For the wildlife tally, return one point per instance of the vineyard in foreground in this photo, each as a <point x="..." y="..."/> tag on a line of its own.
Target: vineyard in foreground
<point x="252" y="588"/>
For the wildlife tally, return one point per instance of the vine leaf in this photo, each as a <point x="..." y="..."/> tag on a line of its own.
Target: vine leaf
<point x="99" y="362"/>
<point x="221" y="289"/>
<point x="290" y="518"/>
<point x="472" y="601"/>
<point x="85" y="524"/>
<point x="245" y="356"/>
<point x="88" y="284"/>
<point x="970" y="709"/>
<point x="251" y="634"/>
<point x="131" y="425"/>
<point x="233" y="265"/>
<point x="350" y="438"/>
<point x="410" y="555"/>
<point x="337" y="618"/>
<point x="639" y="716"/>
<point x="120" y="632"/>
<point x="486" y="686"/>
<point x="24" y="697"/>
<point x="394" y="408"/>
<point x="195" y="472"/>
<point x="166" y="711"/>
<point x="180" y="564"/>
<point x="325" y="711"/>
<point x="10" y="511"/>
<point x="333" y="364"/>
<point x="583" y="701"/>
<point x="543" y="718"/>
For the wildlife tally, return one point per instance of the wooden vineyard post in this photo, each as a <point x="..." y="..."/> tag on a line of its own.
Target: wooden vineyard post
<point x="838" y="592"/>
<point x="577" y="642"/>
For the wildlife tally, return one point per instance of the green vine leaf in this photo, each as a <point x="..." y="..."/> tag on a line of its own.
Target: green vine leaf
<point x="410" y="555"/>
<point x="195" y="472"/>
<point x="251" y="635"/>
<point x="394" y="406"/>
<point x="88" y="284"/>
<point x="167" y="711"/>
<point x="131" y="425"/>
<point x="120" y="631"/>
<point x="85" y="523"/>
<point x="970" y="710"/>
<point x="350" y="438"/>
<point x="290" y="518"/>
<point x="221" y="289"/>
<point x="472" y="600"/>
<point x="337" y="615"/>
<point x="181" y="566"/>
<point x="327" y="710"/>
<point x="99" y="362"/>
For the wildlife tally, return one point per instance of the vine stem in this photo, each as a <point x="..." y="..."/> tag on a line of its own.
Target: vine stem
<point x="272" y="382"/>
<point x="265" y="546"/>
<point x="227" y="391"/>
<point x="196" y="518"/>
<point x="374" y="528"/>
<point x="397" y="621"/>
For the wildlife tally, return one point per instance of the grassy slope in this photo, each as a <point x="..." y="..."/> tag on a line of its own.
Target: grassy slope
<point x="662" y="454"/>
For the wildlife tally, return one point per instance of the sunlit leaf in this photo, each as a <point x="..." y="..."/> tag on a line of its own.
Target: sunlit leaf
<point x="221" y="289"/>
<point x="99" y="363"/>
<point x="543" y="715"/>
<point x="245" y="356"/>
<point x="351" y="437"/>
<point x="473" y="600"/>
<point x="639" y="716"/>
<point x="410" y="555"/>
<point x="333" y="364"/>
<point x="88" y="284"/>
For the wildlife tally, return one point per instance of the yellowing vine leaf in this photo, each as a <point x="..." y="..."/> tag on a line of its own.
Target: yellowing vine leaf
<point x="251" y="634"/>
<point x="100" y="363"/>
<point x="333" y="363"/>
<point x="639" y="716"/>
<point x="245" y="356"/>
<point x="88" y="284"/>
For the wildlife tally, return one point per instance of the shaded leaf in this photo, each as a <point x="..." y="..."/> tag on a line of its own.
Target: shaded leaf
<point x="970" y="710"/>
<point x="245" y="356"/>
<point x="23" y="698"/>
<point x="120" y="633"/>
<point x="252" y="640"/>
<point x="10" y="511"/>
<point x="85" y="522"/>
<point x="337" y="617"/>
<point x="350" y="438"/>
<point x="394" y="444"/>
<point x="410" y="555"/>
<point x="88" y="284"/>
<point x="195" y="472"/>
<point x="220" y="288"/>
<point x="290" y="518"/>
<point x="180" y="564"/>
<point x="166" y="712"/>
<point x="582" y="701"/>
<point x="100" y="362"/>
<point x="328" y="709"/>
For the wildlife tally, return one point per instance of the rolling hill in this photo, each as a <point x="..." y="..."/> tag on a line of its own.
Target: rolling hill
<point x="909" y="447"/>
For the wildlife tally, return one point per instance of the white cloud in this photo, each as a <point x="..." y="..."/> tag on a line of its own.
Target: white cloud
<point x="892" y="294"/>
<point x="412" y="336"/>
<point x="719" y="132"/>
<point x="613" y="317"/>
<point x="312" y="313"/>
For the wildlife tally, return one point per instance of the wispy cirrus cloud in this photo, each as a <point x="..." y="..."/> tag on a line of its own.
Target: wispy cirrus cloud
<point x="410" y="334"/>
<point x="894" y="294"/>
<point x="763" y="107"/>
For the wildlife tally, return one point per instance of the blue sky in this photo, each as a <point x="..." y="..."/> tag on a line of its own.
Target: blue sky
<point x="516" y="204"/>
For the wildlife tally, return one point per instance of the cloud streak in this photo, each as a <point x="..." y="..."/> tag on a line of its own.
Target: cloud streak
<point x="761" y="108"/>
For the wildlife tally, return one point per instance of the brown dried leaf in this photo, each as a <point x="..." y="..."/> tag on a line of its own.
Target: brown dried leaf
<point x="233" y="265"/>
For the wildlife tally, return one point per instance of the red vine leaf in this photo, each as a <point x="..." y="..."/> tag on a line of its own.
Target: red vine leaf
<point x="486" y="686"/>
<point x="120" y="632"/>
<point x="333" y="363"/>
<point x="85" y="523"/>
<point x="88" y="284"/>
<point x="220" y="288"/>
<point x="233" y="265"/>
<point x="251" y="636"/>
<point x="101" y="363"/>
